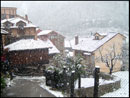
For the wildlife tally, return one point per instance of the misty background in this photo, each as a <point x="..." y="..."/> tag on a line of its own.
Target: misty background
<point x="72" y="18"/>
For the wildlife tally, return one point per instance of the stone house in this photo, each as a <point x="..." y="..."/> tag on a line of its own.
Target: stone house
<point x="91" y="47"/>
<point x="56" y="38"/>
<point x="18" y="28"/>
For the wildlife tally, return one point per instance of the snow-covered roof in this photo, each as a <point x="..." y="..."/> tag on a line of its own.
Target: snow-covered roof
<point x="90" y="45"/>
<point x="5" y="20"/>
<point x="13" y="20"/>
<point x="30" y="25"/>
<point x="37" y="28"/>
<point x="52" y="49"/>
<point x="16" y="20"/>
<point x="4" y="32"/>
<point x="44" y="32"/>
<point x="24" y="44"/>
<point x="70" y="43"/>
<point x="87" y="53"/>
<point x="103" y="34"/>
<point x="29" y="44"/>
<point x="67" y="43"/>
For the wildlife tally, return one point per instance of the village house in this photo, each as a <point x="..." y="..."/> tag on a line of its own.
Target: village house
<point x="92" y="47"/>
<point x="56" y="38"/>
<point x="30" y="51"/>
<point x="18" y="28"/>
<point x="21" y="30"/>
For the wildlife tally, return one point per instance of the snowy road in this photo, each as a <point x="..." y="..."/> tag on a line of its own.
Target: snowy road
<point x="124" y="90"/>
<point x="26" y="87"/>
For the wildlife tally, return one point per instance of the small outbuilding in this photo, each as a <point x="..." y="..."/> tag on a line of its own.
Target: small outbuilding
<point x="28" y="51"/>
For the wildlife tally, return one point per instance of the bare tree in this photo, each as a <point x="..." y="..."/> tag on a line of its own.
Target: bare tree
<point x="110" y="58"/>
<point x="125" y="56"/>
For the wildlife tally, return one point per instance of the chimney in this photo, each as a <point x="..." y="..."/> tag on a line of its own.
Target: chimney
<point x="36" y="37"/>
<point x="76" y="39"/>
<point x="26" y="17"/>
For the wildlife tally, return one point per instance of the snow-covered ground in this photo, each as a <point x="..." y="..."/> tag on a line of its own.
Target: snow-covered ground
<point x="124" y="90"/>
<point x="54" y="92"/>
<point x="89" y="82"/>
<point x="9" y="82"/>
<point x="30" y="77"/>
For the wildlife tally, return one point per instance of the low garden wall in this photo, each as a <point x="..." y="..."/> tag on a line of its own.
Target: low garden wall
<point x="103" y="89"/>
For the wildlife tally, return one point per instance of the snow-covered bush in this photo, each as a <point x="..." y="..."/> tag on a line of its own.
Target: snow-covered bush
<point x="70" y="64"/>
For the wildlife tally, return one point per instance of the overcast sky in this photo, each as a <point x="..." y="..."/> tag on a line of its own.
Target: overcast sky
<point x="72" y="16"/>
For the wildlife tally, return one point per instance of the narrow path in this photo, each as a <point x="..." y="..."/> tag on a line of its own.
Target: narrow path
<point x="26" y="88"/>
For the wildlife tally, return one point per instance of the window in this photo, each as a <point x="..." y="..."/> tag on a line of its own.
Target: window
<point x="21" y="31"/>
<point x="21" y="26"/>
<point x="49" y="37"/>
<point x="3" y="16"/>
<point x="21" y="23"/>
<point x="52" y="37"/>
<point x="11" y="16"/>
<point x="97" y="37"/>
<point x="7" y="26"/>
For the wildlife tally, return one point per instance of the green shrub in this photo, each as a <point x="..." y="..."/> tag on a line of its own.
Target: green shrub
<point x="3" y="83"/>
